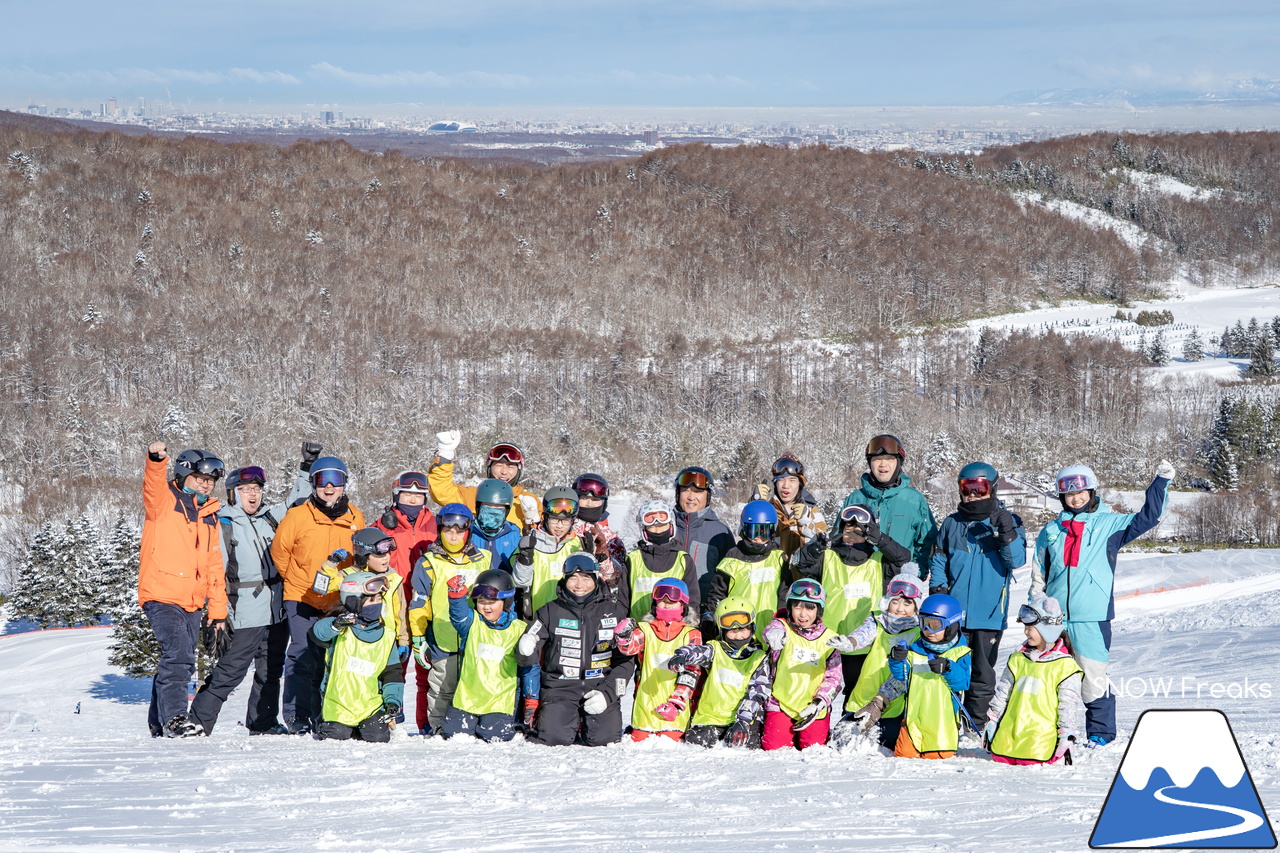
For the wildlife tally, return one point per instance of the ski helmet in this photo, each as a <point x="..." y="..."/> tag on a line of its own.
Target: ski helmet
<point x="886" y="445"/>
<point x="560" y="502"/>
<point x="694" y="477"/>
<point x="941" y="612"/>
<point x="580" y="563"/>
<point x="759" y="519"/>
<point x="356" y="585"/>
<point x="372" y="540"/>
<point x="807" y="589"/>
<point x="497" y="585"/>
<point x="1076" y="478"/>
<point x="978" y="478"/>
<point x="671" y="589"/>
<point x="414" y="482"/>
<point x="1045" y="613"/>
<point x="657" y="511"/>
<point x="735" y="613"/>
<point x="241" y="476"/>
<point x="455" y="515"/>
<point x="496" y="492"/>
<point x="505" y="453"/>
<point x="591" y="486"/>
<point x="787" y="465"/>
<point x="858" y="516"/>
<point x="194" y="461"/>
<point x="328" y="471"/>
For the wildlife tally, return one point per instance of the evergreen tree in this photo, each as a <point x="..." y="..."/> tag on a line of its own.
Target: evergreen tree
<point x="941" y="458"/>
<point x="1192" y="347"/>
<point x="1262" y="362"/>
<point x="134" y="647"/>
<point x="117" y="558"/>
<point x="1158" y="352"/>
<point x="37" y="579"/>
<point x="1240" y="343"/>
<point x="1224" y="470"/>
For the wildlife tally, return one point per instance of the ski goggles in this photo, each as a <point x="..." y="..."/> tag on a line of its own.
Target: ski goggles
<point x="562" y="508"/>
<point x="457" y="522"/>
<point x="693" y="480"/>
<point x="328" y="477"/>
<point x="1073" y="483"/>
<point x="492" y="592"/>
<point x="729" y="621"/>
<point x="806" y="590"/>
<point x="904" y="589"/>
<point x="252" y="474"/>
<point x="589" y="487"/>
<point x="787" y="468"/>
<point x="656" y="516"/>
<point x="1028" y="615"/>
<point x="757" y="530"/>
<point x="933" y="623"/>
<point x="371" y="586"/>
<point x="886" y="445"/>
<point x="382" y="546"/>
<point x="668" y="593"/>
<point x="976" y="486"/>
<point x="506" y="453"/>
<point x="856" y="514"/>
<point x="210" y="466"/>
<point x="411" y="481"/>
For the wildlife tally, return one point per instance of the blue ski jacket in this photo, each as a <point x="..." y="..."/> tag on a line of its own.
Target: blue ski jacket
<point x="972" y="563"/>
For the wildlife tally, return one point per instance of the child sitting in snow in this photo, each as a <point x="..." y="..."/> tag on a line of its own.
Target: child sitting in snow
<point x="484" y="703"/>
<point x="662" y="696"/>
<point x="739" y="678"/>
<point x="932" y="671"/>
<point x="363" y="687"/>
<point x="806" y="677"/>
<point x="1035" y="714"/>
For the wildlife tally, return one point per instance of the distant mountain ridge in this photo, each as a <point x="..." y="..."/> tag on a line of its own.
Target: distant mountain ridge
<point x="1253" y="91"/>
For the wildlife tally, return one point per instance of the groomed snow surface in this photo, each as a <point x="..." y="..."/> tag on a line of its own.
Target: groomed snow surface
<point x="95" y="781"/>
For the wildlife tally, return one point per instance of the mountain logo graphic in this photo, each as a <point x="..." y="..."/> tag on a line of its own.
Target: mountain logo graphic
<point x="1183" y="783"/>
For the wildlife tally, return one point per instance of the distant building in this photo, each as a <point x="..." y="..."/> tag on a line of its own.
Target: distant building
<point x="652" y="137"/>
<point x="327" y="116"/>
<point x="454" y="126"/>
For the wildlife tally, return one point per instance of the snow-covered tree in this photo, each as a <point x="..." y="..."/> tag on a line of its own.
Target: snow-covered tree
<point x="1224" y="469"/>
<point x="941" y="458"/>
<point x="37" y="576"/>
<point x="1158" y="351"/>
<point x="174" y="426"/>
<point x="1193" y="346"/>
<point x="1262" y="360"/>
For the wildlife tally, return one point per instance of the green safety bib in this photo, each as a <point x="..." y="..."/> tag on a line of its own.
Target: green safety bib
<point x="756" y="583"/>
<point x="643" y="581"/>
<point x="931" y="719"/>
<point x="352" y="693"/>
<point x="657" y="682"/>
<point x="853" y="592"/>
<point x="725" y="686"/>
<point x="441" y="627"/>
<point x="801" y="665"/>
<point x="875" y="672"/>
<point x="1028" y="728"/>
<point x="487" y="676"/>
<point x="547" y="571"/>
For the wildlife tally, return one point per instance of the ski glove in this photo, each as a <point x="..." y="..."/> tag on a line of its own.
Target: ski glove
<point x="1005" y="527"/>
<point x="447" y="444"/>
<point x="457" y="587"/>
<point x="810" y="715"/>
<point x="775" y="637"/>
<point x="869" y="714"/>
<point x="871" y="532"/>
<point x="594" y="703"/>
<point x="675" y="706"/>
<point x="738" y="734"/>
<point x="629" y="637"/>
<point x="529" y="509"/>
<point x="339" y="555"/>
<point x="842" y="644"/>
<point x="939" y="665"/>
<point x="389" y="519"/>
<point x="403" y="652"/>
<point x="1166" y="469"/>
<point x="529" y="641"/>
<point x="989" y="734"/>
<point x="310" y="453"/>
<point x="422" y="655"/>
<point x="679" y="658"/>
<point x="524" y="551"/>
<point x="898" y="652"/>
<point x="1064" y="746"/>
<point x="391" y="709"/>
<point x="343" y="620"/>
<point x="529" y="713"/>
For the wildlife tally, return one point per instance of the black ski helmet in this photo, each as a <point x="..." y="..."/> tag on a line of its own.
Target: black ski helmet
<point x="497" y="585"/>
<point x="194" y="461"/>
<point x="372" y="540"/>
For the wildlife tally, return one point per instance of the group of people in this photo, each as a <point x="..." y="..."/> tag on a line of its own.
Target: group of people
<point x="525" y="613"/>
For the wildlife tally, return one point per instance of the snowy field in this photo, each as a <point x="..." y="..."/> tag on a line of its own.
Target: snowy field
<point x="95" y="781"/>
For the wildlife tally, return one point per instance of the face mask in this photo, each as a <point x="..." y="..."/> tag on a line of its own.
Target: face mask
<point x="898" y="624"/>
<point x="200" y="499"/>
<point x="490" y="518"/>
<point x="668" y="614"/>
<point x="450" y="548"/>
<point x="590" y="514"/>
<point x="370" y="613"/>
<point x="658" y="538"/>
<point x="410" y="512"/>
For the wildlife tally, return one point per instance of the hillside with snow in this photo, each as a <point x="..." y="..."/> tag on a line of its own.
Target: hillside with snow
<point x="78" y="771"/>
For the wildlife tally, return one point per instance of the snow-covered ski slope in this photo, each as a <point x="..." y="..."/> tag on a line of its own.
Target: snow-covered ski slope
<point x="95" y="781"/>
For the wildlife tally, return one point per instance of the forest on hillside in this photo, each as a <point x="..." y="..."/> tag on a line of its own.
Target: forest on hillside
<point x="695" y="305"/>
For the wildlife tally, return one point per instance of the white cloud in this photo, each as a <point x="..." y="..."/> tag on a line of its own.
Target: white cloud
<point x="145" y="76"/>
<point x="429" y="79"/>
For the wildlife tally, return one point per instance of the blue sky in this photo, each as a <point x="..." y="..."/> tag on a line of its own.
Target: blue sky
<point x="752" y="53"/>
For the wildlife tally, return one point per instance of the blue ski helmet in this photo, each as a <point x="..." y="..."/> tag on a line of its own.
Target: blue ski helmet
<point x="758" y="520"/>
<point x="670" y="589"/>
<point x="328" y="470"/>
<point x="457" y="515"/>
<point x="809" y="590"/>
<point x="941" y="612"/>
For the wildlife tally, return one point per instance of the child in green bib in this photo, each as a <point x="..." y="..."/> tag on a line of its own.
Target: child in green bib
<point x="484" y="703"/>
<point x="754" y="569"/>
<point x="363" y="686"/>
<point x="662" y="698"/>
<point x="1034" y="717"/>
<point x="871" y="701"/>
<point x="806" y="680"/>
<point x="737" y="683"/>
<point x="539" y="561"/>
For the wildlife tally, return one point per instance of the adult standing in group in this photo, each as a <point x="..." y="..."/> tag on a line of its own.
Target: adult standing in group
<point x="699" y="531"/>
<point x="979" y="545"/>
<point x="313" y="531"/>
<point x="255" y="602"/>
<point x="179" y="572"/>
<point x="503" y="462"/>
<point x="408" y="521"/>
<point x="902" y="511"/>
<point x="1075" y="562"/>
<point x="799" y="519"/>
